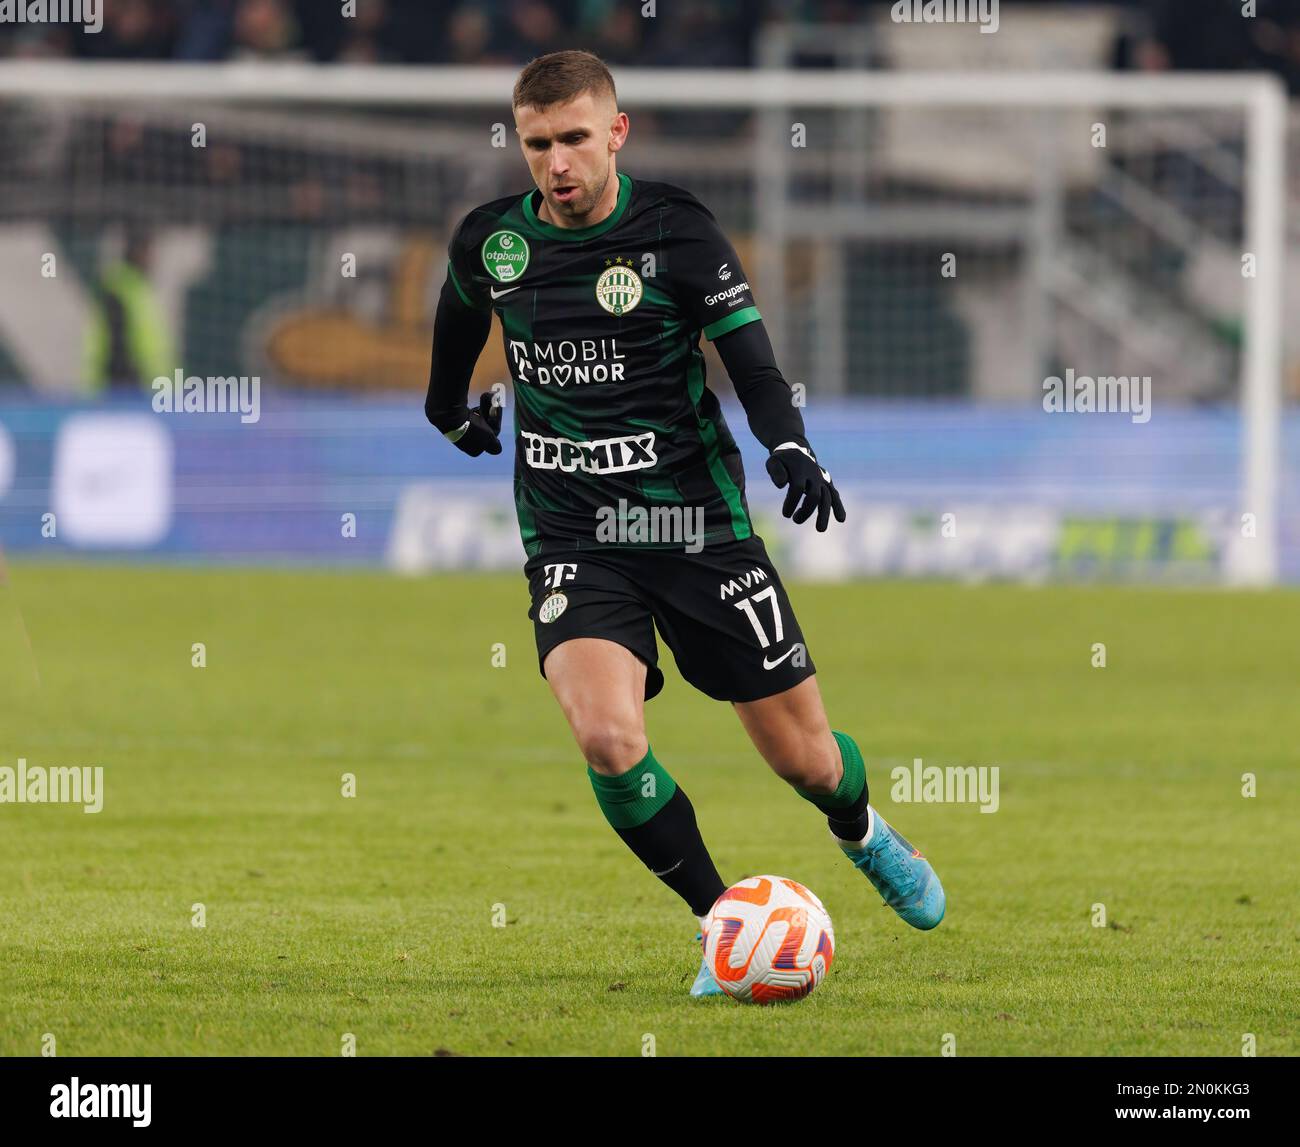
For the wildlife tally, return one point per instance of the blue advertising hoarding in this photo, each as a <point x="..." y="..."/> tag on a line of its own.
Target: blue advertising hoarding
<point x="932" y="490"/>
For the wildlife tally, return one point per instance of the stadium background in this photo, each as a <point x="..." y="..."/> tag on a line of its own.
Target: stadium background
<point x="924" y="390"/>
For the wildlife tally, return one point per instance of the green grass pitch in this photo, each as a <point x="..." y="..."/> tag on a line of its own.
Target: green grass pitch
<point x="374" y="915"/>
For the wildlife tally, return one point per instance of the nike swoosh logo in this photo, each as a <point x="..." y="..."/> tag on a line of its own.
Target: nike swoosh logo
<point x="666" y="871"/>
<point x="774" y="664"/>
<point x="497" y="294"/>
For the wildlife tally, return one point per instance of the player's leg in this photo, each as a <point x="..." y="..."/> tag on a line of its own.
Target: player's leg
<point x="596" y="649"/>
<point x="727" y="618"/>
<point x="600" y="686"/>
<point x="791" y="732"/>
<point x="793" y="735"/>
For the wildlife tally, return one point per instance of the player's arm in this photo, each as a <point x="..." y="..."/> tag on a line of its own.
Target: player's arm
<point x="460" y="329"/>
<point x="713" y="289"/>
<point x="746" y="352"/>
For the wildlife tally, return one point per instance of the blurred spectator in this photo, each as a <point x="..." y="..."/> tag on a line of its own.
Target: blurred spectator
<point x="616" y="32"/>
<point x="128" y="344"/>
<point x="531" y="28"/>
<point x="206" y="29"/>
<point x="133" y="29"/>
<point x="362" y="35"/>
<point x="469" y="34"/>
<point x="264" y="28"/>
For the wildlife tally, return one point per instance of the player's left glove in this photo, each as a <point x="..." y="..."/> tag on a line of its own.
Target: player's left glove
<point x="794" y="465"/>
<point x="474" y="431"/>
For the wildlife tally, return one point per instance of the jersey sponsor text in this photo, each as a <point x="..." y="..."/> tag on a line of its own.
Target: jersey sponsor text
<point x="600" y="456"/>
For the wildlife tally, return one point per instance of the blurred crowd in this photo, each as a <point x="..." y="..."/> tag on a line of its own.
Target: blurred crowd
<point x="1163" y="34"/>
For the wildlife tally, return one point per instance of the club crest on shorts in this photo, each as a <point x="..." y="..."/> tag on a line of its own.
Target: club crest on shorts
<point x="505" y="255"/>
<point x="619" y="289"/>
<point x="553" y="604"/>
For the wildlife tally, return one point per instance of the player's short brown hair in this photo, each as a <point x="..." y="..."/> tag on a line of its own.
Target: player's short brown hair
<point x="559" y="77"/>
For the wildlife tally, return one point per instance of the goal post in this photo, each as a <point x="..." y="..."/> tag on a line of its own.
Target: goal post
<point x="808" y="231"/>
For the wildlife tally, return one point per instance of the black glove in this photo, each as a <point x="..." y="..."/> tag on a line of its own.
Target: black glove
<point x="475" y="431"/>
<point x="795" y="465"/>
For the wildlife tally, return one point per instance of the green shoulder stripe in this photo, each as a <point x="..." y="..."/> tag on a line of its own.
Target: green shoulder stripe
<point x="731" y="322"/>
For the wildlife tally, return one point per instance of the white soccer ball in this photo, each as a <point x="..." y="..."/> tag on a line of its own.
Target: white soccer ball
<point x="768" y="938"/>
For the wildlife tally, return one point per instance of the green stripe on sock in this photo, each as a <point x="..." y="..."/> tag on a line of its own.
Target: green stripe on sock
<point x="851" y="783"/>
<point x="633" y="798"/>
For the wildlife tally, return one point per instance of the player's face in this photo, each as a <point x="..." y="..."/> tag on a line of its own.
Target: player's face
<point x="568" y="148"/>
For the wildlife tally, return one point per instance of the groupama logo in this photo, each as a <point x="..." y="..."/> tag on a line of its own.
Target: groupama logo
<point x="727" y="295"/>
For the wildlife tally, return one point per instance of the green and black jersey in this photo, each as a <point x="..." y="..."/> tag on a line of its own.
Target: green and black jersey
<point x="602" y="331"/>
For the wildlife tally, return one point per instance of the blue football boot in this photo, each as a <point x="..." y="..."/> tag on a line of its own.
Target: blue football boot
<point x="899" y="873"/>
<point x="705" y="984"/>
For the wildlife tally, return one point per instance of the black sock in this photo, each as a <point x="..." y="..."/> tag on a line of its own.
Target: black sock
<point x="851" y="823"/>
<point x="670" y="845"/>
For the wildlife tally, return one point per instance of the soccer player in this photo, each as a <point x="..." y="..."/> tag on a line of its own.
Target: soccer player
<point x="604" y="285"/>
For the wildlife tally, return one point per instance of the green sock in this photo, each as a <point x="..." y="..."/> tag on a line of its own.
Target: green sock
<point x="852" y="784"/>
<point x="845" y="808"/>
<point x="654" y="818"/>
<point x="633" y="798"/>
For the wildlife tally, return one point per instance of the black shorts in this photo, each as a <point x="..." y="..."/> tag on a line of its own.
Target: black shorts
<point x="723" y="612"/>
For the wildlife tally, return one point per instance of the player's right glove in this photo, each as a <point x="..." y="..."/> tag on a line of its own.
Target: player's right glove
<point x="474" y="431"/>
<point x="794" y="465"/>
